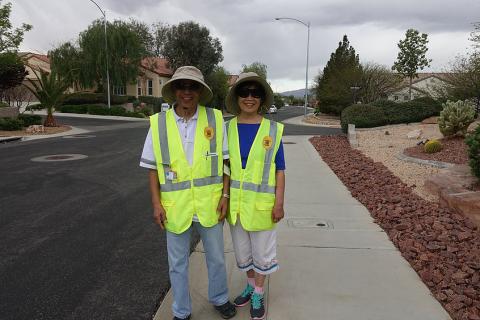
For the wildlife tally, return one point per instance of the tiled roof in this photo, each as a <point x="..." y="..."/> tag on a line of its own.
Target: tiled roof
<point x="157" y="65"/>
<point x="29" y="55"/>
<point x="422" y="76"/>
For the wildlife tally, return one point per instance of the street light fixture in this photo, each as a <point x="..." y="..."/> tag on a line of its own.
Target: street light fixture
<point x="306" y="24"/>
<point x="106" y="49"/>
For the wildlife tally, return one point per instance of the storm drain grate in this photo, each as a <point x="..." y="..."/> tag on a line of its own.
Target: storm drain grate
<point x="288" y="142"/>
<point x="307" y="223"/>
<point x="59" y="157"/>
<point x="79" y="136"/>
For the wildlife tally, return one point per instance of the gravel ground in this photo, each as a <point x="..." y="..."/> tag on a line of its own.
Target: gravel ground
<point x="48" y="130"/>
<point x="384" y="148"/>
<point x="454" y="150"/>
<point x="443" y="247"/>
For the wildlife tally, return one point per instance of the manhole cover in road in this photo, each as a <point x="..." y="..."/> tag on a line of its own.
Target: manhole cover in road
<point x="59" y="157"/>
<point x="301" y="223"/>
<point x="79" y="136"/>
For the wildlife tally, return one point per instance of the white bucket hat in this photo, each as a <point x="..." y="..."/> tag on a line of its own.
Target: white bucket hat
<point x="232" y="99"/>
<point x="187" y="73"/>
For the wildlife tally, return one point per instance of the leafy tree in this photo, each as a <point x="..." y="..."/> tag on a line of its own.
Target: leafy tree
<point x="143" y="32"/>
<point x="12" y="71"/>
<point x="376" y="81"/>
<point x="49" y="90"/>
<point x="188" y="43"/>
<point x="475" y="36"/>
<point x="257" y="67"/>
<point x="87" y="60"/>
<point x="412" y="56"/>
<point x="159" y="37"/>
<point x="342" y="71"/>
<point x="218" y="82"/>
<point x="278" y="101"/>
<point x="10" y="38"/>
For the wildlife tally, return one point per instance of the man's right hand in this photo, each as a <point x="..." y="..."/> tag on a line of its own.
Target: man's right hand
<point x="160" y="215"/>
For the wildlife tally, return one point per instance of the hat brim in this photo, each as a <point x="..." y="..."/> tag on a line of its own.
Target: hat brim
<point x="168" y="94"/>
<point x="232" y="99"/>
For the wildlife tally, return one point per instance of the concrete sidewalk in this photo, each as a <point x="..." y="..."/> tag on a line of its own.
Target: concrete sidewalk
<point x="335" y="263"/>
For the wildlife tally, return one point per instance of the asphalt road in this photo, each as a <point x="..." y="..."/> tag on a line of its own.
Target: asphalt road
<point x="77" y="239"/>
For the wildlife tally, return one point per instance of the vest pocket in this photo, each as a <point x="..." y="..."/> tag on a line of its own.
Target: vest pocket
<point x="262" y="220"/>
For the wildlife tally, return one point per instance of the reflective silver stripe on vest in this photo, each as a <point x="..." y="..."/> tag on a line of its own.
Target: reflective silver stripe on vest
<point x="269" y="153"/>
<point x="200" y="182"/>
<point x="213" y="142"/>
<point x="227" y="125"/>
<point x="163" y="139"/>
<point x="171" y="186"/>
<point x="263" y="188"/>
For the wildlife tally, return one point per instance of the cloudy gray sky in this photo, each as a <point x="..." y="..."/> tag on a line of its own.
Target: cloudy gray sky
<point x="249" y="33"/>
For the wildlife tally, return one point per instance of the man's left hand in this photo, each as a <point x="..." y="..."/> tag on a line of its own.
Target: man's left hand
<point x="277" y="213"/>
<point x="222" y="208"/>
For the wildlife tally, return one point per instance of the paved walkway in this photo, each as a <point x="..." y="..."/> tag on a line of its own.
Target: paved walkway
<point x="335" y="263"/>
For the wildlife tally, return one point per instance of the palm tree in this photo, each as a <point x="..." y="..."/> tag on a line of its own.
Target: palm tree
<point x="49" y="90"/>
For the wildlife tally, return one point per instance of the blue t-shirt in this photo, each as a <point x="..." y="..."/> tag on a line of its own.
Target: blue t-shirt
<point x="246" y="135"/>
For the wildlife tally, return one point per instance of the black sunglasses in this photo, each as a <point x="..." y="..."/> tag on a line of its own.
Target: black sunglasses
<point x="254" y="92"/>
<point x="192" y="86"/>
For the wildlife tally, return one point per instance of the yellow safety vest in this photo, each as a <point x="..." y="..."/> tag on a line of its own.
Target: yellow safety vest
<point x="252" y="190"/>
<point x="187" y="190"/>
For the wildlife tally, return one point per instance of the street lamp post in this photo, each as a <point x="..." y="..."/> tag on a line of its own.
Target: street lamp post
<point x="106" y="49"/>
<point x="306" y="24"/>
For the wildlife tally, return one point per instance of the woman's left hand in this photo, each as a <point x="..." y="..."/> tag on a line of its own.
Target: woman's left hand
<point x="222" y="208"/>
<point x="277" y="213"/>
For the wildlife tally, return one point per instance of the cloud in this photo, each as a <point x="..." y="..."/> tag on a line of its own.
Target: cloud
<point x="249" y="33"/>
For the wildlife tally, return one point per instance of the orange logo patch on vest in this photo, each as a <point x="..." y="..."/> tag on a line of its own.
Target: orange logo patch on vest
<point x="267" y="142"/>
<point x="209" y="133"/>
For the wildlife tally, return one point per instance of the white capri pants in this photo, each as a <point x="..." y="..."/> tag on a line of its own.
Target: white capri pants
<point x="255" y="250"/>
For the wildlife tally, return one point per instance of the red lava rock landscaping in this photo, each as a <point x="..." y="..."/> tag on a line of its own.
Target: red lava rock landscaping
<point x="442" y="246"/>
<point x="454" y="151"/>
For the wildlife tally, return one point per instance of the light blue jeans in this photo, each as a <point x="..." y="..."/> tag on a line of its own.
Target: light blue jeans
<point x="178" y="246"/>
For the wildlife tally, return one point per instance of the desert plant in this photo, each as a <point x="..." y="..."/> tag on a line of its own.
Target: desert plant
<point x="473" y="143"/>
<point x="432" y="146"/>
<point x="456" y="117"/>
<point x="49" y="90"/>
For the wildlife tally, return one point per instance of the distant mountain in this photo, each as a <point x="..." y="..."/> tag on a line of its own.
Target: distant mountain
<point x="300" y="93"/>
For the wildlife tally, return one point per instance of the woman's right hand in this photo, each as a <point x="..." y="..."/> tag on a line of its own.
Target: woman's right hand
<point x="160" y="215"/>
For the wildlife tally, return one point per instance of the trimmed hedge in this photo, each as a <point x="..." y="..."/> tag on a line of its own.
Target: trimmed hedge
<point x="362" y="116"/>
<point x="81" y="108"/>
<point x="154" y="101"/>
<point x="10" y="124"/>
<point x="100" y="109"/>
<point x="30" y="119"/>
<point x="408" y="112"/>
<point x="335" y="110"/>
<point x="79" y="98"/>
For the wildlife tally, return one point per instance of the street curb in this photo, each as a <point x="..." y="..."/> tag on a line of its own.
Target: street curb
<point x="9" y="139"/>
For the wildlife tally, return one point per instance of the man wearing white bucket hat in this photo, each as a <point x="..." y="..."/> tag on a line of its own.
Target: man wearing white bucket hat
<point x="184" y="150"/>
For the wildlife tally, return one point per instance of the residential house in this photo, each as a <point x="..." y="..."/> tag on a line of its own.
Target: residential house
<point x="154" y="73"/>
<point x="426" y="84"/>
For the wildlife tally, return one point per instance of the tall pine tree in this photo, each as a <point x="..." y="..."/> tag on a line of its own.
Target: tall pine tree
<point x="342" y="72"/>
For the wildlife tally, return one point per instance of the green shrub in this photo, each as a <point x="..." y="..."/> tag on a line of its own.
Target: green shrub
<point x="456" y="117"/>
<point x="117" y="111"/>
<point x="408" y="112"/>
<point x="473" y="143"/>
<point x="10" y="124"/>
<point x="30" y="119"/>
<point x="81" y="108"/>
<point x="77" y="98"/>
<point x="330" y="109"/>
<point x="36" y="106"/>
<point x="432" y="146"/>
<point x="362" y="116"/>
<point x="98" y="109"/>
<point x="3" y="105"/>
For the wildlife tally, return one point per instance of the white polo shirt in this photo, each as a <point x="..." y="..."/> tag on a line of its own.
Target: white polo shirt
<point x="187" y="129"/>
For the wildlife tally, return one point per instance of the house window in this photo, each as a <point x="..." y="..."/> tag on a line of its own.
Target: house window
<point x="139" y="88"/>
<point x="150" y="87"/>
<point x="120" y="90"/>
<point x="395" y="98"/>
<point x="405" y="97"/>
